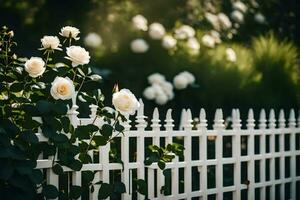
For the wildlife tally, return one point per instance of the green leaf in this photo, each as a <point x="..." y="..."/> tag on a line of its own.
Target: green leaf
<point x="48" y="131"/>
<point x="106" y="130"/>
<point x="4" y="139"/>
<point x="57" y="169"/>
<point x="50" y="191"/>
<point x="119" y="127"/>
<point x="25" y="166"/>
<point x="100" y="140"/>
<point x="44" y="107"/>
<point x="6" y="169"/>
<point x="105" y="191"/>
<point x="16" y="87"/>
<point x="65" y="122"/>
<point x="36" y="176"/>
<point x="76" y="165"/>
<point x="119" y="187"/>
<point x="85" y="158"/>
<point x="161" y="165"/>
<point x="60" y="138"/>
<point x="88" y="176"/>
<point x="60" y="108"/>
<point x="148" y="161"/>
<point x="84" y="132"/>
<point x="75" y="192"/>
<point x="142" y="187"/>
<point x="30" y="137"/>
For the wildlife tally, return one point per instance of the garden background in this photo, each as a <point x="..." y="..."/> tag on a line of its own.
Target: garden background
<point x="264" y="75"/>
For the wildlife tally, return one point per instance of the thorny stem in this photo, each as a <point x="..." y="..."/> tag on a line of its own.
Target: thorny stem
<point x="81" y="85"/>
<point x="75" y="72"/>
<point x="47" y="58"/>
<point x="92" y="135"/>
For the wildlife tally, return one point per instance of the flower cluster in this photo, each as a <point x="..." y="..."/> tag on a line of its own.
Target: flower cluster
<point x="161" y="91"/>
<point x="63" y="88"/>
<point x="168" y="41"/>
<point x="183" y="80"/>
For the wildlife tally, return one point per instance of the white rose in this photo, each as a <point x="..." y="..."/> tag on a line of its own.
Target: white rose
<point x="139" y="46"/>
<point x="224" y="21"/>
<point x="180" y="82"/>
<point x="149" y="93"/>
<point x="78" y="55"/>
<point x="184" y="32"/>
<point x="189" y="76"/>
<point x="259" y="18"/>
<point x="156" y="78"/>
<point x="70" y="32"/>
<point x="208" y="41"/>
<point x="161" y="99"/>
<point x="168" y="42"/>
<point x="237" y="16"/>
<point x="230" y="55"/>
<point x="213" y="20"/>
<point x="140" y="23"/>
<point x="62" y="88"/>
<point x="156" y="31"/>
<point x="216" y="36"/>
<point x="35" y="66"/>
<point x="93" y="40"/>
<point x="158" y="89"/>
<point x="193" y="45"/>
<point x="125" y="102"/>
<point x="50" y="42"/>
<point x="238" y="5"/>
<point x="167" y="87"/>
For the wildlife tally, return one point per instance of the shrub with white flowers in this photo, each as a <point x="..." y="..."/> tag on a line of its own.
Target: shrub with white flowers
<point x="35" y="95"/>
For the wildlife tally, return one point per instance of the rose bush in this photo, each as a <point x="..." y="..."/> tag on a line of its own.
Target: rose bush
<point x="35" y="96"/>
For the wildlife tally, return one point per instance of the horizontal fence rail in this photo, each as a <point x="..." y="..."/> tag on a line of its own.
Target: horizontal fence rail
<point x="252" y="163"/>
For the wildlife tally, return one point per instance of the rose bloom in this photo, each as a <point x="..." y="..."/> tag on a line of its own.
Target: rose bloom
<point x="156" y="78"/>
<point x="260" y="18"/>
<point x="125" y="102"/>
<point x="237" y="16"/>
<point x="149" y="93"/>
<point x="193" y="45"/>
<point x="189" y="76"/>
<point x="139" y="46"/>
<point x="93" y="40"/>
<point x="184" y="32"/>
<point x="78" y="55"/>
<point x="50" y="42"/>
<point x="224" y="21"/>
<point x="161" y="99"/>
<point x="180" y="82"/>
<point x="230" y="55"/>
<point x="238" y="5"/>
<point x="70" y="32"/>
<point x="35" y="66"/>
<point x="168" y="42"/>
<point x="140" y="22"/>
<point x="156" y="31"/>
<point x="216" y="36"/>
<point x="208" y="41"/>
<point x="62" y="88"/>
<point x="213" y="20"/>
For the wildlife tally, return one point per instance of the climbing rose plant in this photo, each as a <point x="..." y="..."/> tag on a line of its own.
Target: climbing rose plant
<point x="35" y="97"/>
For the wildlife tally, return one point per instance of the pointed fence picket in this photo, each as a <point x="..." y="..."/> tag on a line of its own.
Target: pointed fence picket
<point x="272" y="172"/>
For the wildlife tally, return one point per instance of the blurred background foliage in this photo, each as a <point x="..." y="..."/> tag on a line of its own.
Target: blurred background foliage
<point x="265" y="74"/>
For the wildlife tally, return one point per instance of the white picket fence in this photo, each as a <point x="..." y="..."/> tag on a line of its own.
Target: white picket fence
<point x="271" y="172"/>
